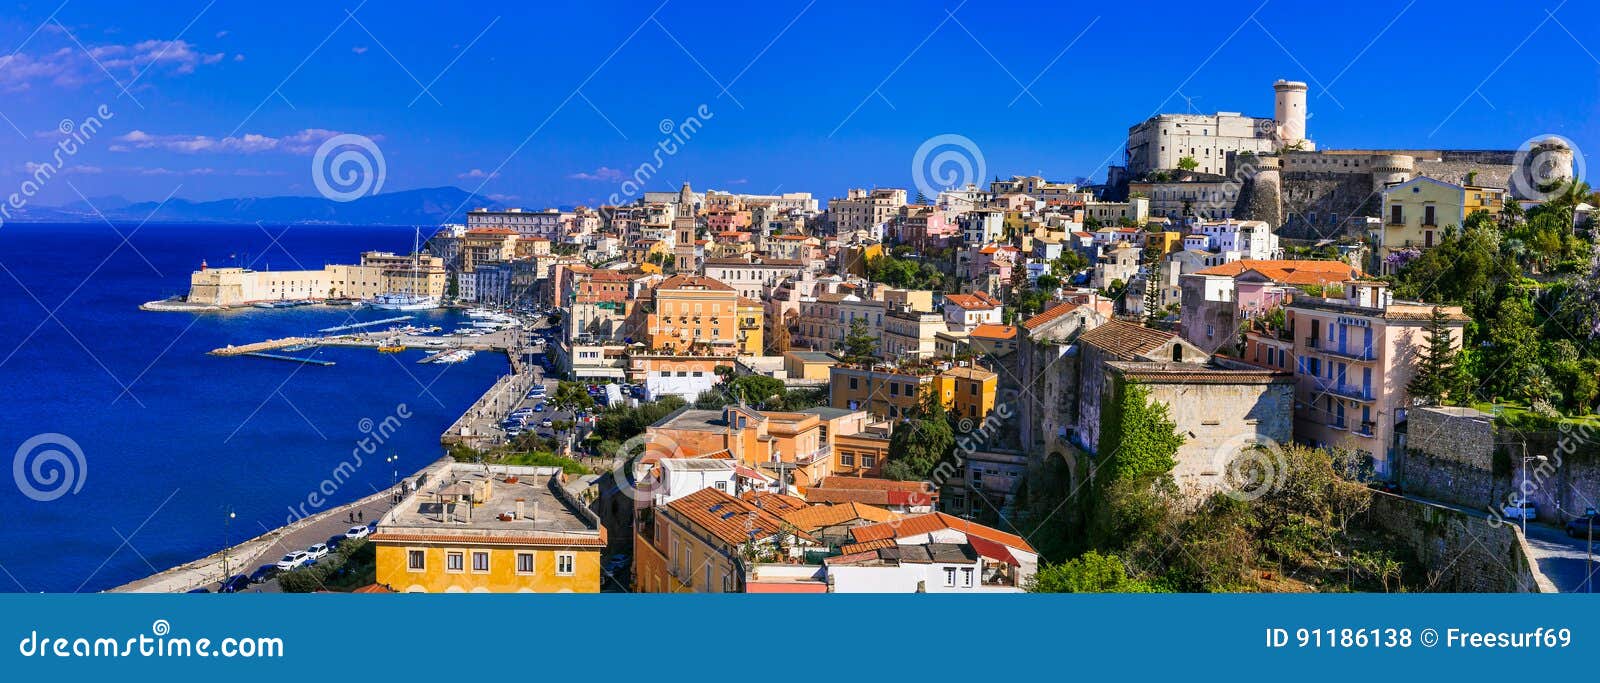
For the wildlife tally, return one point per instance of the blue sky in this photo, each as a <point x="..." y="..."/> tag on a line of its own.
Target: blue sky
<point x="549" y="104"/>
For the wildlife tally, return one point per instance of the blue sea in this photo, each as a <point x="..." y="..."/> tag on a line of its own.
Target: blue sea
<point x="130" y="446"/>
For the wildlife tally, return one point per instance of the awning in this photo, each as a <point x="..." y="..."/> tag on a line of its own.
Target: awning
<point x="992" y="550"/>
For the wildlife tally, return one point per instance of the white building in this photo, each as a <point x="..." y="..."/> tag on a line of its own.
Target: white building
<point x="1158" y="143"/>
<point x="682" y="476"/>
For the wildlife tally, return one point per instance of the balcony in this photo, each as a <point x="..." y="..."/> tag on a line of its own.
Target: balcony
<point x="1366" y="429"/>
<point x="1311" y="342"/>
<point x="1344" y="390"/>
<point x="1366" y="354"/>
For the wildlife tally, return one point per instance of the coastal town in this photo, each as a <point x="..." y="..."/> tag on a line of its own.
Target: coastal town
<point x="1246" y="361"/>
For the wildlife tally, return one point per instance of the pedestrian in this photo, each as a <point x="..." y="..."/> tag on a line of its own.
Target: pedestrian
<point x="361" y="516"/>
<point x="351" y="515"/>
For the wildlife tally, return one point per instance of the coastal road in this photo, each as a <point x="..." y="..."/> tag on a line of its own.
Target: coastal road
<point x="300" y="539"/>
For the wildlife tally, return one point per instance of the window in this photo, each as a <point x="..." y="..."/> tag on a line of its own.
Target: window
<point x="454" y="561"/>
<point x="722" y="486"/>
<point x="480" y="561"/>
<point x="524" y="563"/>
<point x="868" y="460"/>
<point x="564" y="563"/>
<point x="950" y="577"/>
<point x="415" y="560"/>
<point x="847" y="459"/>
<point x="966" y="577"/>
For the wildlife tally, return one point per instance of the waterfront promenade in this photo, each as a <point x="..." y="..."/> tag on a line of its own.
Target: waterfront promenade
<point x="208" y="572"/>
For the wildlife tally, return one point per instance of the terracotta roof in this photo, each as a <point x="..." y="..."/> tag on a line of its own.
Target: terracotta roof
<point x="1050" y="314"/>
<point x="776" y="503"/>
<point x="922" y="524"/>
<point x="993" y="331"/>
<point x="1124" y="339"/>
<point x="685" y="281"/>
<point x="976" y="300"/>
<point x="818" y="516"/>
<point x="871" y="491"/>
<point x="854" y="548"/>
<point x="1288" y="271"/>
<point x="373" y="588"/>
<point x="731" y="520"/>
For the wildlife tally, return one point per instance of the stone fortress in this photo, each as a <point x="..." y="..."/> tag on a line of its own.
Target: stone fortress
<point x="1307" y="193"/>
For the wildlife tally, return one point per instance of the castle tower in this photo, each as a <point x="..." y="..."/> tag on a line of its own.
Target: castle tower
<point x="1289" y="109"/>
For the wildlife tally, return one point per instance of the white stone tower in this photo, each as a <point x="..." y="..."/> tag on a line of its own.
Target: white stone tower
<point x="1289" y="109"/>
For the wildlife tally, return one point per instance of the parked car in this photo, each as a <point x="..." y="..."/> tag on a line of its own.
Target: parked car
<point x="263" y="573"/>
<point x="538" y="408"/>
<point x="357" y="532"/>
<point x="318" y="551"/>
<point x="1579" y="527"/>
<point x="235" y="583"/>
<point x="334" y="541"/>
<point x="199" y="590"/>
<point x="546" y="423"/>
<point x="1520" y="510"/>
<point x="294" y="560"/>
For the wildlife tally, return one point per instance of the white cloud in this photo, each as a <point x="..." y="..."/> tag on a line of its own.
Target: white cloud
<point x="604" y="173"/>
<point x="71" y="66"/>
<point x="478" y="174"/>
<point x="359" y="49"/>
<point x="300" y="142"/>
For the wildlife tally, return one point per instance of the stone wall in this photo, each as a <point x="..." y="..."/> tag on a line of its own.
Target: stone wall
<point x="1461" y="553"/>
<point x="1451" y="453"/>
<point x="1321" y="205"/>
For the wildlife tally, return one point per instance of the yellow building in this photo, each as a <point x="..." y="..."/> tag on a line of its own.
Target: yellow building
<point x="810" y="366"/>
<point x="482" y="245"/>
<point x="967" y="391"/>
<point x="972" y="391"/>
<point x="752" y="319"/>
<point x="1157" y="244"/>
<point x="1416" y="212"/>
<point x="694" y="310"/>
<point x="490" y="529"/>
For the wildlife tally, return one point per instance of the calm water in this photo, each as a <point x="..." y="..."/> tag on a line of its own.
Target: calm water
<point x="172" y="438"/>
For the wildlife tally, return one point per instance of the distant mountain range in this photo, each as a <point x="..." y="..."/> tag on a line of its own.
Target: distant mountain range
<point x="426" y="206"/>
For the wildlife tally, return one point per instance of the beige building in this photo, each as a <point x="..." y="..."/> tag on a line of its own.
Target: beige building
<point x="861" y="210"/>
<point x="378" y="273"/>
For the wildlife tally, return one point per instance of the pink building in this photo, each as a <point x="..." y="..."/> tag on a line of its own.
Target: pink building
<point x="1353" y="356"/>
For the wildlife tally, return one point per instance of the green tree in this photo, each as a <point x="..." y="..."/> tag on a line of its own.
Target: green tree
<point x="1511" y="357"/>
<point x="1088" y="573"/>
<point x="1439" y="373"/>
<point x="1152" y="294"/>
<point x="859" y="345"/>
<point x="1138" y="439"/>
<point x="572" y="396"/>
<point x="918" y="445"/>
<point x="1188" y="163"/>
<point x="755" y="389"/>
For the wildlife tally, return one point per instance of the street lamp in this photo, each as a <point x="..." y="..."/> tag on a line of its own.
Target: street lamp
<point x="227" y="524"/>
<point x="1522" y="510"/>
<point x="392" y="459"/>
